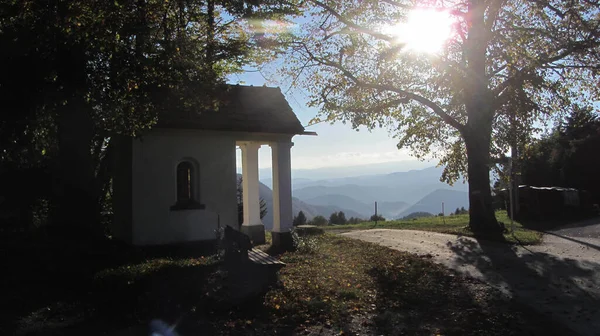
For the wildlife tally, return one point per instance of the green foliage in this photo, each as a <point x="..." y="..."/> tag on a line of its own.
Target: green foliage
<point x="355" y="220"/>
<point x="341" y="218"/>
<point x="461" y="211"/>
<point x="379" y="218"/>
<point x="300" y="219"/>
<point x="319" y="221"/>
<point x="337" y="218"/>
<point x="567" y="157"/>
<point x="368" y="78"/>
<point x="77" y="73"/>
<point x="305" y="244"/>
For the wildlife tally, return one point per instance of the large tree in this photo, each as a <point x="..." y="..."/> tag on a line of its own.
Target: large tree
<point x="504" y="65"/>
<point x="75" y="73"/>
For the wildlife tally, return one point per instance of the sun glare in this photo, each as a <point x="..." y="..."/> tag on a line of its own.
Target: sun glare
<point x="424" y="30"/>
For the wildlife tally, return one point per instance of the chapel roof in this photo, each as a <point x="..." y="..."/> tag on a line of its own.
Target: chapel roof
<point x="257" y="109"/>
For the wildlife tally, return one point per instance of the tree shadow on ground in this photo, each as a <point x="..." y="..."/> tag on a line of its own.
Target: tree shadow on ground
<point x="435" y="303"/>
<point x="47" y="275"/>
<point x="582" y="220"/>
<point x="211" y="298"/>
<point x="57" y="288"/>
<point x="564" y="289"/>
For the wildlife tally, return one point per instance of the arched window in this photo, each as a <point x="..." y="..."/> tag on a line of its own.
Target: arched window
<point x="187" y="195"/>
<point x="185" y="182"/>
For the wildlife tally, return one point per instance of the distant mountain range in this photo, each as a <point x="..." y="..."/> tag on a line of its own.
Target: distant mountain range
<point x="408" y="187"/>
<point x="316" y="174"/>
<point x="310" y="210"/>
<point x="432" y="203"/>
<point x="396" y="194"/>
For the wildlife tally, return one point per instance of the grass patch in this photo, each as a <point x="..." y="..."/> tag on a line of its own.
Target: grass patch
<point x="454" y="224"/>
<point x="343" y="286"/>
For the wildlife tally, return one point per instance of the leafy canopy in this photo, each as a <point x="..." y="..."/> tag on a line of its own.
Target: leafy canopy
<point x="121" y="61"/>
<point x="540" y="58"/>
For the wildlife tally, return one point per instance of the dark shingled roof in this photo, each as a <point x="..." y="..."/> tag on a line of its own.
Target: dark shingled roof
<point x="244" y="109"/>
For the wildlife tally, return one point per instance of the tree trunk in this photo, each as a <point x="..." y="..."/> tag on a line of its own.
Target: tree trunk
<point x="76" y="211"/>
<point x="482" y="219"/>
<point x="478" y="130"/>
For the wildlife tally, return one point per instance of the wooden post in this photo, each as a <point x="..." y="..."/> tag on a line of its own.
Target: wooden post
<point x="443" y="214"/>
<point x="375" y="213"/>
<point x="511" y="197"/>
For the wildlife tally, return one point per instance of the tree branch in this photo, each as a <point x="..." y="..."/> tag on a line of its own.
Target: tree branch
<point x="382" y="87"/>
<point x="493" y="12"/>
<point x="543" y="61"/>
<point x="397" y="4"/>
<point x="351" y="24"/>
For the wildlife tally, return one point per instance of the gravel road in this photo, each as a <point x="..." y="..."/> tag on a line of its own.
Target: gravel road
<point x="560" y="277"/>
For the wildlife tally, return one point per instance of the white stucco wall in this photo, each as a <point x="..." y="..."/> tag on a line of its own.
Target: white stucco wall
<point x="154" y="187"/>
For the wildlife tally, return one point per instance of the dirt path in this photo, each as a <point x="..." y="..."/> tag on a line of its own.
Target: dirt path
<point x="561" y="277"/>
<point x="589" y="228"/>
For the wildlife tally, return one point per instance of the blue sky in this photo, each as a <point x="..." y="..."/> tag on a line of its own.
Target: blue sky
<point x="335" y="146"/>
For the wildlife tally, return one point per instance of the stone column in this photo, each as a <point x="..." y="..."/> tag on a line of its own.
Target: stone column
<point x="282" y="194"/>
<point x="252" y="225"/>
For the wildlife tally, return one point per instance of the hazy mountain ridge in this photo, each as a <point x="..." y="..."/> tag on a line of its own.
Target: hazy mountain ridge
<point x="310" y="210"/>
<point x="324" y="173"/>
<point x="408" y="187"/>
<point x="396" y="194"/>
<point x="391" y="210"/>
<point x="432" y="203"/>
<point x="386" y="209"/>
<point x="343" y="202"/>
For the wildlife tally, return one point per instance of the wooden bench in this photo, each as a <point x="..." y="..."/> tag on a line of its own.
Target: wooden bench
<point x="239" y="248"/>
<point x="261" y="258"/>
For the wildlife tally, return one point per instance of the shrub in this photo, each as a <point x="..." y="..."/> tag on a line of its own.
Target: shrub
<point x="319" y="221"/>
<point x="304" y="244"/>
<point x="378" y="218"/>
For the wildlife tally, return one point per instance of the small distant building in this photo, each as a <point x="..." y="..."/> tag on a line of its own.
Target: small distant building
<point x="177" y="183"/>
<point x="544" y="203"/>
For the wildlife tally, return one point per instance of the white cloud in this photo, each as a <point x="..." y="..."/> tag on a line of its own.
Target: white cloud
<point x="348" y="159"/>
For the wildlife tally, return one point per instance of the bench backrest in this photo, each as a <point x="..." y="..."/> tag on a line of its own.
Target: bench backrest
<point x="236" y="239"/>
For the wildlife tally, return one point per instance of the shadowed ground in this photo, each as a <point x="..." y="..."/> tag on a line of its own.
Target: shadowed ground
<point x="560" y="277"/>
<point x="330" y="286"/>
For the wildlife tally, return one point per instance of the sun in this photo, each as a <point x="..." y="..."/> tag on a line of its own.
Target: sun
<point x="425" y="30"/>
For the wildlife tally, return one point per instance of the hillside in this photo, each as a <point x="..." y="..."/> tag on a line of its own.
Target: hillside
<point x="309" y="210"/>
<point x="432" y="203"/>
<point x="408" y="187"/>
<point x="391" y="209"/>
<point x="365" y="210"/>
<point x="342" y="202"/>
